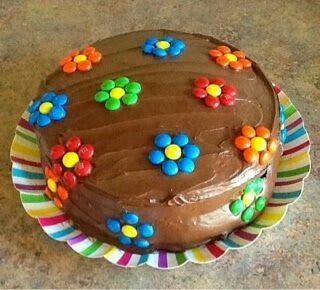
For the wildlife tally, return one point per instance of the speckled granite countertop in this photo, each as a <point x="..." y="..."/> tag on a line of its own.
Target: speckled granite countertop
<point x="280" y="35"/>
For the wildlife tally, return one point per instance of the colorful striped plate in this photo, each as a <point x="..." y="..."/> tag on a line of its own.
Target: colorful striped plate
<point x="28" y="179"/>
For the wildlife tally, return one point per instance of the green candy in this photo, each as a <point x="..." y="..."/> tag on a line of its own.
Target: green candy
<point x="108" y="85"/>
<point x="260" y="203"/>
<point x="259" y="182"/>
<point x="247" y="215"/>
<point x="113" y="104"/>
<point x="121" y="82"/>
<point x="130" y="99"/>
<point x="133" y="88"/>
<point x="236" y="207"/>
<point x="101" y="96"/>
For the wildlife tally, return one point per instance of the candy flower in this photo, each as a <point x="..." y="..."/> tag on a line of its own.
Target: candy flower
<point x="225" y="57"/>
<point x="250" y="202"/>
<point x="214" y="92"/>
<point x="70" y="162"/>
<point x="130" y="231"/>
<point x="174" y="154"/>
<point x="50" y="107"/>
<point x="81" y="61"/>
<point x="115" y="92"/>
<point x="256" y="144"/>
<point x="163" y="47"/>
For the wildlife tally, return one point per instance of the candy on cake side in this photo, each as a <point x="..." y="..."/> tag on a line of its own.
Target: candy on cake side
<point x="169" y="212"/>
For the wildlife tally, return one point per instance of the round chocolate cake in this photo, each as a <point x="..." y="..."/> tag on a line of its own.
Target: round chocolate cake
<point x="158" y="139"/>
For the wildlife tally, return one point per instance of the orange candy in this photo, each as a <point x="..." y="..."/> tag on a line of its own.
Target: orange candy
<point x="250" y="155"/>
<point x="265" y="158"/>
<point x="74" y="52"/>
<point x="63" y="193"/>
<point x="65" y="60"/>
<point x="263" y="132"/>
<point x="49" y="173"/>
<point x="58" y="202"/>
<point x="242" y="142"/>
<point x="239" y="54"/>
<point x="224" y="49"/>
<point x="48" y="193"/>
<point x="95" y="57"/>
<point x="236" y="65"/>
<point x="248" y="131"/>
<point x="89" y="50"/>
<point x="70" y="67"/>
<point x="245" y="63"/>
<point x="215" y="53"/>
<point x="222" y="60"/>
<point x="85" y="65"/>
<point x="273" y="145"/>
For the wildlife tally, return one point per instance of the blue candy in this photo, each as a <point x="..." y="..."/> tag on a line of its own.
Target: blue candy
<point x="113" y="225"/>
<point x="170" y="168"/>
<point x="43" y="120"/>
<point x="57" y="113"/>
<point x="60" y="100"/>
<point x="152" y="40"/>
<point x="35" y="106"/>
<point x="186" y="165"/>
<point x="162" y="140"/>
<point x="191" y="151"/>
<point x="156" y="157"/>
<point x="34" y="117"/>
<point x="159" y="52"/>
<point x="167" y="38"/>
<point x="179" y="44"/>
<point x="130" y="218"/>
<point x="140" y="243"/>
<point x="174" y="51"/>
<point x="147" y="48"/>
<point x="48" y="97"/>
<point x="146" y="230"/>
<point x="125" y="240"/>
<point x="180" y="140"/>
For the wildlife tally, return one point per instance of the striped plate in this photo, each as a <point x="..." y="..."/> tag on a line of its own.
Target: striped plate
<point x="28" y="179"/>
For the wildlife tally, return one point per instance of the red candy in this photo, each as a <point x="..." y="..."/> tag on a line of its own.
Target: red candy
<point x="219" y="81"/>
<point x="73" y="143"/>
<point x="201" y="82"/>
<point x="86" y="151"/>
<point x="212" y="102"/>
<point x="57" y="169"/>
<point x="230" y="90"/>
<point x="227" y="100"/>
<point x="57" y="151"/>
<point x="199" y="93"/>
<point x="83" y="168"/>
<point x="69" y="179"/>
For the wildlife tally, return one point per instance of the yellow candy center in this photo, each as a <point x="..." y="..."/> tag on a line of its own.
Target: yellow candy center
<point x="80" y="58"/>
<point x="173" y="152"/>
<point x="214" y="90"/>
<point x="117" y="93"/>
<point x="231" y="57"/>
<point x="70" y="159"/>
<point x="258" y="143"/>
<point x="45" y="108"/>
<point x="248" y="198"/>
<point x="163" y="44"/>
<point x="129" y="231"/>
<point x="52" y="185"/>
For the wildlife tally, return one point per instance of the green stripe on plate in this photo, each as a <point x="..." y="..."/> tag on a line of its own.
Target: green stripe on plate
<point x="290" y="110"/>
<point x="28" y="198"/>
<point x="180" y="258"/>
<point x="294" y="172"/>
<point x="91" y="249"/>
<point x="27" y="137"/>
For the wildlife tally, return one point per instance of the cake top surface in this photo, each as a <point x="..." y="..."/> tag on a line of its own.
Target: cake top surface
<point x="123" y="138"/>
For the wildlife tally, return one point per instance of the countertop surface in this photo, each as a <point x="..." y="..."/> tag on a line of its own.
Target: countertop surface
<point x="280" y="35"/>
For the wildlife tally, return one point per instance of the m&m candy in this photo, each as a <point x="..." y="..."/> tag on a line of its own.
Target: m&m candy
<point x="251" y="155"/>
<point x="170" y="168"/>
<point x="70" y="159"/>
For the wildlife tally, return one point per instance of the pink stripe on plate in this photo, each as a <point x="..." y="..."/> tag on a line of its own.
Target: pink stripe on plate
<point x="294" y="124"/>
<point x="23" y="123"/>
<point x="29" y="187"/>
<point x="25" y="162"/>
<point x="289" y="182"/>
<point x="50" y="221"/>
<point x="77" y="239"/>
<point x="125" y="259"/>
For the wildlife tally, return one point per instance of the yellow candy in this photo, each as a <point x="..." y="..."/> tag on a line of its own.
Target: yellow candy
<point x="45" y="108"/>
<point x="52" y="185"/>
<point x="258" y="143"/>
<point x="70" y="159"/>
<point x="80" y="58"/>
<point x="214" y="90"/>
<point x="173" y="152"/>
<point x="231" y="57"/>
<point x="163" y="44"/>
<point x="117" y="93"/>
<point x="129" y="231"/>
<point x="248" y="198"/>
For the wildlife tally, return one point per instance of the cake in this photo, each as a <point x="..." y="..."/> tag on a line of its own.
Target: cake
<point x="158" y="139"/>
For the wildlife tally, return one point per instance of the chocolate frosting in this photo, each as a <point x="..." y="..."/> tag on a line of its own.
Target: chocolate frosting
<point x="186" y="210"/>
